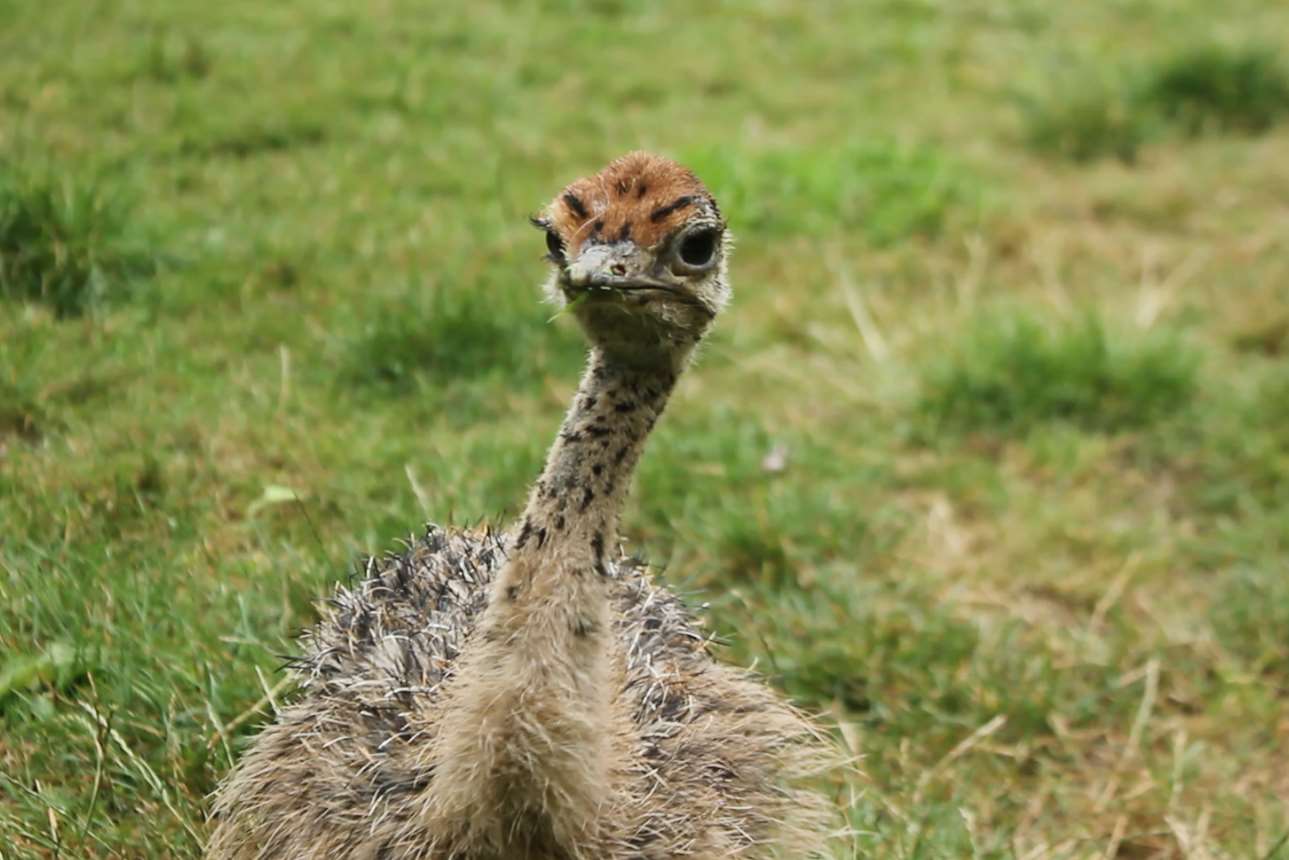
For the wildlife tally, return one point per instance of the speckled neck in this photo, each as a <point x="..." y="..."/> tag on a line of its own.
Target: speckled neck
<point x="527" y="732"/>
<point x="578" y="498"/>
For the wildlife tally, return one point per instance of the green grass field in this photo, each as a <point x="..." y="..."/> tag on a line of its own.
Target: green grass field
<point x="988" y="461"/>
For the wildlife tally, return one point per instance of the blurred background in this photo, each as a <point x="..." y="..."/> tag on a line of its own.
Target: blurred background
<point x="988" y="461"/>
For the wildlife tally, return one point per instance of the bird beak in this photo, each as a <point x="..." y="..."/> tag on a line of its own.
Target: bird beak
<point x="621" y="265"/>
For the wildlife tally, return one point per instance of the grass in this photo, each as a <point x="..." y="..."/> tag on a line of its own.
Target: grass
<point x="1217" y="89"/>
<point x="987" y="461"/>
<point x="1088" y="120"/>
<point x="64" y="242"/>
<point x="880" y="189"/>
<point x="1011" y="373"/>
<point x="1202" y="89"/>
<point x="435" y="339"/>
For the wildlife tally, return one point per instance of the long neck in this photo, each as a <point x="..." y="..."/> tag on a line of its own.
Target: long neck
<point x="575" y="505"/>
<point x="527" y="731"/>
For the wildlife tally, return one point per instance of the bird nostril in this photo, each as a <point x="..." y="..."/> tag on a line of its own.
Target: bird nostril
<point x="618" y="269"/>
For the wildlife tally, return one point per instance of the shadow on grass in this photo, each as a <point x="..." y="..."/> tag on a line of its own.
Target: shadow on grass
<point x="1209" y="89"/>
<point x="1239" y="457"/>
<point x="66" y="243"/>
<point x="256" y="136"/>
<point x="1250" y="618"/>
<point x="1012" y="372"/>
<point x="171" y="57"/>
<point x="1217" y="89"/>
<point x="436" y="336"/>
<point x="1087" y="120"/>
<point x="21" y="414"/>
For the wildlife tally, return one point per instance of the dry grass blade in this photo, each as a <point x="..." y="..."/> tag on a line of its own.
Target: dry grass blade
<point x="224" y="732"/>
<point x="963" y="747"/>
<point x="142" y="768"/>
<point x="871" y="335"/>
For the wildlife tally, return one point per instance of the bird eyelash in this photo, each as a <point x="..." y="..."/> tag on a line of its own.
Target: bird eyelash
<point x="554" y="247"/>
<point x="554" y="243"/>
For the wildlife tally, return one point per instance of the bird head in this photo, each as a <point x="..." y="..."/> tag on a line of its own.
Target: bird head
<point x="639" y="256"/>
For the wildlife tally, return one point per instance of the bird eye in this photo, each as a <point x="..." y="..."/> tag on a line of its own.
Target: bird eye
<point x="555" y="247"/>
<point x="698" y="248"/>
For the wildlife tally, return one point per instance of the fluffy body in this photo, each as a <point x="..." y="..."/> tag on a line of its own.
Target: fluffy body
<point x="710" y="758"/>
<point x="530" y="695"/>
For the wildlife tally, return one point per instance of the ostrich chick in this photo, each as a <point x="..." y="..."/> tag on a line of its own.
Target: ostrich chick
<point x="531" y="694"/>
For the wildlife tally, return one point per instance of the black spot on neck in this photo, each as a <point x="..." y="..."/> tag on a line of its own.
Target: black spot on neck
<point x="597" y="547"/>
